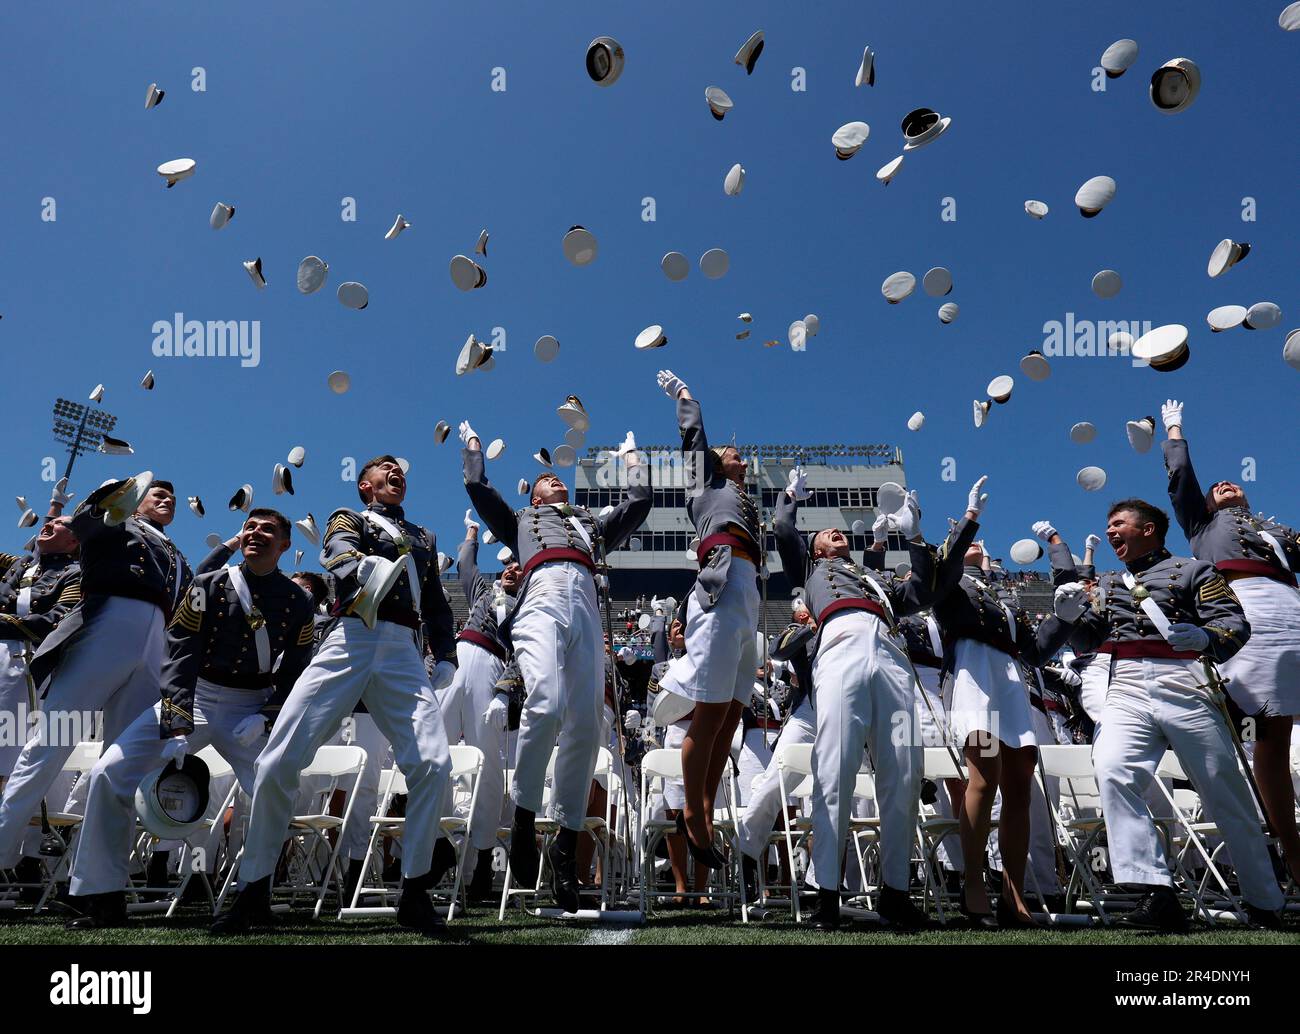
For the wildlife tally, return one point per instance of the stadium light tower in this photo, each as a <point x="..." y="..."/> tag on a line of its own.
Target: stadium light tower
<point x="81" y="428"/>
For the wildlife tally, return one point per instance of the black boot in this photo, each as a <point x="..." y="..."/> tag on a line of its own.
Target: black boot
<point x="562" y="858"/>
<point x="158" y="874"/>
<point x="252" y="907"/>
<point x="523" y="849"/>
<point x="480" y="884"/>
<point x="356" y="867"/>
<point x="895" y="907"/>
<point x="1262" y="918"/>
<point x="749" y="874"/>
<point x="415" y="910"/>
<point x="827" y="916"/>
<point x="101" y="912"/>
<point x="1160" y="910"/>
<point x="444" y="858"/>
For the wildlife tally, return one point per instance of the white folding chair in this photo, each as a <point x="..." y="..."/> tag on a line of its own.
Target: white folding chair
<point x="382" y="825"/>
<point x="168" y="899"/>
<point x="79" y="762"/>
<point x="657" y="766"/>
<point x="865" y="831"/>
<point x="1077" y="819"/>
<point x="308" y="833"/>
<point x="596" y="826"/>
<point x="932" y="829"/>
<point x="793" y="768"/>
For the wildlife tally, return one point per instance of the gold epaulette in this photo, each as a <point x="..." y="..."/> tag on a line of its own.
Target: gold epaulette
<point x="71" y="595"/>
<point x="187" y="616"/>
<point x="1215" y="589"/>
<point x="305" y="635"/>
<point x="344" y="520"/>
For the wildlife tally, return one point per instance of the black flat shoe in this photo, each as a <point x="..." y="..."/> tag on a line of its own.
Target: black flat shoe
<point x="702" y="855"/>
<point x="101" y="912"/>
<point x="1008" y="918"/>
<point x="415" y="910"/>
<point x="524" y="857"/>
<point x="827" y="916"/>
<point x="895" y="908"/>
<point x="252" y="907"/>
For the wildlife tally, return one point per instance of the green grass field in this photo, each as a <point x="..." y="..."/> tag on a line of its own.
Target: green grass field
<point x="481" y="927"/>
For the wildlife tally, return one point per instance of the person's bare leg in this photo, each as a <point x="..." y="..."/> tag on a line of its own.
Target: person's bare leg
<point x="1272" y="770"/>
<point x="676" y="858"/>
<point x="697" y="757"/>
<point x="718" y="763"/>
<point x="587" y="844"/>
<point x="1013" y="823"/>
<point x="983" y="764"/>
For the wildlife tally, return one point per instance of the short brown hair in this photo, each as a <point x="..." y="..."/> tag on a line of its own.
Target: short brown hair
<point x="368" y="466"/>
<point x="1147" y="514"/>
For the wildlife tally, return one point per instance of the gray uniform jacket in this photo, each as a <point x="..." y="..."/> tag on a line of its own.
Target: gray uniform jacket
<point x="1230" y="538"/>
<point x="539" y="534"/>
<point x="55" y="585"/>
<point x="480" y="592"/>
<point x="1185" y="589"/>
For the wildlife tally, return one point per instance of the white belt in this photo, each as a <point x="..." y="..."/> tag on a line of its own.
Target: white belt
<point x="255" y="618"/>
<point x="1277" y="548"/>
<point x="1149" y="607"/>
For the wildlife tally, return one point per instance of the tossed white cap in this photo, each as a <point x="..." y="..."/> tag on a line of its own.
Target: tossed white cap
<point x="1082" y="433"/>
<point x="1226" y="254"/>
<point x="352" y="295"/>
<point x="1141" y="433"/>
<point x="652" y="337"/>
<point x="948" y="312"/>
<point x="1037" y="209"/>
<point x="1291" y="350"/>
<point x="399" y="224"/>
<point x="999" y="389"/>
<point x="221" y="214"/>
<point x="797" y="335"/>
<point x="980" y="410"/>
<point x="734" y="182"/>
<point x="1025" y="551"/>
<point x="480" y="245"/>
<point x="675" y="265"/>
<point x="546" y="348"/>
<point x="496" y="448"/>
<point x="1225" y="317"/>
<point x="1262" y="316"/>
<point x="176" y="170"/>
<point x="714" y="263"/>
<point x="898" y="286"/>
<point x="916" y="421"/>
<point x="937" y="282"/>
<point x="1094" y="195"/>
<point x="1174" y="85"/>
<point x="297" y="456"/>
<point x="748" y="53"/>
<point x="1289" y="19"/>
<point x="579" y="246"/>
<point x="1165" y="348"/>
<point x="718" y="101"/>
<point x="889" y="170"/>
<point x="812" y="323"/>
<point x="254" y="270"/>
<point x="866" y="69"/>
<point x="849" y="138"/>
<point x="604" y="60"/>
<point x="922" y="126"/>
<point x="1117" y="58"/>
<point x="1035" y="366"/>
<point x="466" y="274"/>
<point x="564" y="455"/>
<point x="1091" y="479"/>
<point x="339" y="382"/>
<point x="153" y="96"/>
<point x="1106" y="284"/>
<point x="312" y="272"/>
<point x="146" y="381"/>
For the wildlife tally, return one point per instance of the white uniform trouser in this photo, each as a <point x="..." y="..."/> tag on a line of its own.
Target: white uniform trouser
<point x="764" y="804"/>
<point x="360" y="730"/>
<point x="463" y="705"/>
<point x="383" y="667"/>
<point x="13" y="702"/>
<point x="755" y="755"/>
<point x="560" y="650"/>
<point x="1152" y="704"/>
<point x="104" y="846"/>
<point x="864" y="688"/>
<point x="112" y="666"/>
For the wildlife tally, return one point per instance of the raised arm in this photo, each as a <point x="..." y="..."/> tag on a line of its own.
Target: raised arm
<point x="495" y="511"/>
<point x="690" y="421"/>
<point x="631" y="512"/>
<point x="435" y="611"/>
<point x="790" y="545"/>
<point x="471" y="581"/>
<point x="216" y="560"/>
<point x="1185" y="494"/>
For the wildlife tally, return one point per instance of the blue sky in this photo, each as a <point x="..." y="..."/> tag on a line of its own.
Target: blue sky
<point x="391" y="104"/>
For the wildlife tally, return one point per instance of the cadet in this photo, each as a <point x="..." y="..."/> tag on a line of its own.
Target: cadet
<point x="1159" y="698"/>
<point x="387" y="577"/>
<point x="861" y="680"/>
<point x="471" y="706"/>
<point x="106" y="654"/>
<point x="239" y="640"/>
<point x="1259" y="558"/>
<point x="559" y="645"/>
<point x="35" y="594"/>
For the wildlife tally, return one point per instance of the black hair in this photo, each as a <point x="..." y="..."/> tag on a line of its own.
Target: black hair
<point x="1147" y="514"/>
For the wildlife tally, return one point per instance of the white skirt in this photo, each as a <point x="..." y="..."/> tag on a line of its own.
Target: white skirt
<point x="721" y="656"/>
<point x="987" y="694"/>
<point x="1265" y="673"/>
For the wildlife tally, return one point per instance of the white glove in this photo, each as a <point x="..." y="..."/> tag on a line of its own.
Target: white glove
<point x="1070" y="601"/>
<point x="61" y="496"/>
<point x="175" y="749"/>
<point x="880" y="530"/>
<point x="443" y="673"/>
<point x="1172" y="414"/>
<point x="627" y="655"/>
<point x="250" y="730"/>
<point x="907" y="520"/>
<point x="975" y="501"/>
<point x="774" y="707"/>
<point x="497" y="713"/>
<point x="467" y="433"/>
<point x="797" y="488"/>
<point x="671" y="383"/>
<point x="632" y="721"/>
<point x="469" y="521"/>
<point x="1044" y="530"/>
<point x="655" y="606"/>
<point x="629" y="445"/>
<point x="1183" y="636"/>
<point x="1092" y="542"/>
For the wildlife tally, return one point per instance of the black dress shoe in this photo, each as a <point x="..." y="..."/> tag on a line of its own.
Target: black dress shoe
<point x="749" y="874"/>
<point x="480" y="884"/>
<point x="980" y="920"/>
<point x="356" y="869"/>
<point x="1262" y="918"/>
<point x="827" y="916"/>
<point x="702" y="855"/>
<point x="415" y="910"/>
<point x="252" y="907"/>
<point x="564" y="877"/>
<point x="1009" y="918"/>
<point x="896" y="908"/>
<point x="101" y="912"/>
<point x="1159" y="909"/>
<point x="523" y="849"/>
